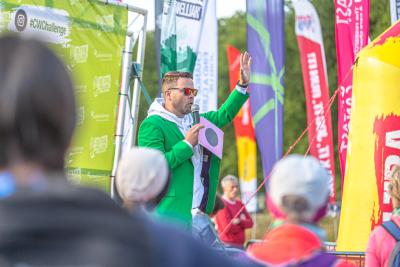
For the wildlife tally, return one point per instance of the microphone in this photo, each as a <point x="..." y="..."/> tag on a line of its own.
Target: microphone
<point x="195" y="114"/>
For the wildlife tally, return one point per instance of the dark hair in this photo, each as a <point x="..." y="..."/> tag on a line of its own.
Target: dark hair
<point x="171" y="77"/>
<point x="37" y="103"/>
<point x="295" y="207"/>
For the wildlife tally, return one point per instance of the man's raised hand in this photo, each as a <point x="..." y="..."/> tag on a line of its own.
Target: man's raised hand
<point x="245" y="68"/>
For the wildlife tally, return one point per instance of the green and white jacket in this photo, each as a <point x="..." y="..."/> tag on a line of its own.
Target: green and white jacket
<point x="164" y="131"/>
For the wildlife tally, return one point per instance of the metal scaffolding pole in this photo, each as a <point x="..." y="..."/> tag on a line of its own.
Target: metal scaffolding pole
<point x="136" y="89"/>
<point x="127" y="6"/>
<point x="126" y="112"/>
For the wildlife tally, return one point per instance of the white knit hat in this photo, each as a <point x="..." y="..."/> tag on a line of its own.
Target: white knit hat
<point x="142" y="174"/>
<point x="300" y="176"/>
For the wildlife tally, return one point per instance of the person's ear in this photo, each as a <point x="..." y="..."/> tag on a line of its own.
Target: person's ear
<point x="167" y="94"/>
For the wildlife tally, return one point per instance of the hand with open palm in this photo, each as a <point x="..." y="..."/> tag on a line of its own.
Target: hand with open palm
<point x="245" y="68"/>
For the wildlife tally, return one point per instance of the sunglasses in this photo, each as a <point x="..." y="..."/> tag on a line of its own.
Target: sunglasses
<point x="186" y="91"/>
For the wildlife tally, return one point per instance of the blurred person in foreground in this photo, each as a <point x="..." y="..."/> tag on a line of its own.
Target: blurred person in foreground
<point x="381" y="243"/>
<point x="142" y="181"/>
<point x="7" y="185"/>
<point x="297" y="195"/>
<point x="231" y="225"/>
<point x="170" y="128"/>
<point x="47" y="221"/>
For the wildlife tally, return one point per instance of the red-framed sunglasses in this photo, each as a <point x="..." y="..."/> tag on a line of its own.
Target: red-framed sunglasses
<point x="186" y="90"/>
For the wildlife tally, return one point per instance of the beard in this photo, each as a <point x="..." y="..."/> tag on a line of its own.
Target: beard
<point x="182" y="106"/>
<point x="187" y="108"/>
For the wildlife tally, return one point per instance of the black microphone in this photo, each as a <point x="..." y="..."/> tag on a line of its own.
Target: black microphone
<point x="195" y="114"/>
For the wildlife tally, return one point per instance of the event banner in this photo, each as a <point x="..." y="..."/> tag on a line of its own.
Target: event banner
<point x="394" y="10"/>
<point x="205" y="76"/>
<point x="266" y="45"/>
<point x="182" y="24"/>
<point x="245" y="138"/>
<point x="374" y="140"/>
<point x="89" y="36"/>
<point x="352" y="28"/>
<point x="313" y="65"/>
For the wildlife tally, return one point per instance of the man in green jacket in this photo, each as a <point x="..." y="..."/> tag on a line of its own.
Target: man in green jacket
<point x="169" y="128"/>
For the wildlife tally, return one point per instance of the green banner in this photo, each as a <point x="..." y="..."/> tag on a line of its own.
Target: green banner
<point x="89" y="36"/>
<point x="182" y="23"/>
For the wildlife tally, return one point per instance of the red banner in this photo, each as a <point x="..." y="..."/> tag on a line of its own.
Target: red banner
<point x="242" y="122"/>
<point x="387" y="154"/>
<point x="352" y="27"/>
<point x="245" y="138"/>
<point x="309" y="38"/>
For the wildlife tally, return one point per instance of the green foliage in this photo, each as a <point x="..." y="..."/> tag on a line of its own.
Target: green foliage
<point x="233" y="31"/>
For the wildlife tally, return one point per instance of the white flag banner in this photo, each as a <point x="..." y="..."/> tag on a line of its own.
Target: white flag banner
<point x="394" y="10"/>
<point x="182" y="23"/>
<point x="206" y="69"/>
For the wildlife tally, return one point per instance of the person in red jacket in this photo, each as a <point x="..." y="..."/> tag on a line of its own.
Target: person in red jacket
<point x="234" y="234"/>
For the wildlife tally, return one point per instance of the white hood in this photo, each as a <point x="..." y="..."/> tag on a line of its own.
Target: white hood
<point x="157" y="108"/>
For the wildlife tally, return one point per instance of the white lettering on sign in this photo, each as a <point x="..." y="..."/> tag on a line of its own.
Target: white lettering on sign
<point x="393" y="141"/>
<point x="343" y="11"/>
<point x="188" y="10"/>
<point x="323" y="151"/>
<point x="314" y="76"/>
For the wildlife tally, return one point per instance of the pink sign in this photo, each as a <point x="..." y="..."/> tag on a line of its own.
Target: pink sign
<point x="211" y="137"/>
<point x="352" y="27"/>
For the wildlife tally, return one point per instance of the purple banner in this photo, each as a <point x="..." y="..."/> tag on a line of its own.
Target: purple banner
<point x="265" y="42"/>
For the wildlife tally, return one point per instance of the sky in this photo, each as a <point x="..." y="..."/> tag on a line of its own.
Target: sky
<point x="225" y="8"/>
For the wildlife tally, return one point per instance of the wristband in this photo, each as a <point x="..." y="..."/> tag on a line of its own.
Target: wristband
<point x="242" y="85"/>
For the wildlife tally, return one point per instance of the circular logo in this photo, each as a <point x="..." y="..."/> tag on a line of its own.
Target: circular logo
<point x="211" y="137"/>
<point x="21" y="19"/>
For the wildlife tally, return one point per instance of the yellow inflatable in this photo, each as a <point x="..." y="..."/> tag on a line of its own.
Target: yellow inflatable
<point x="374" y="140"/>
